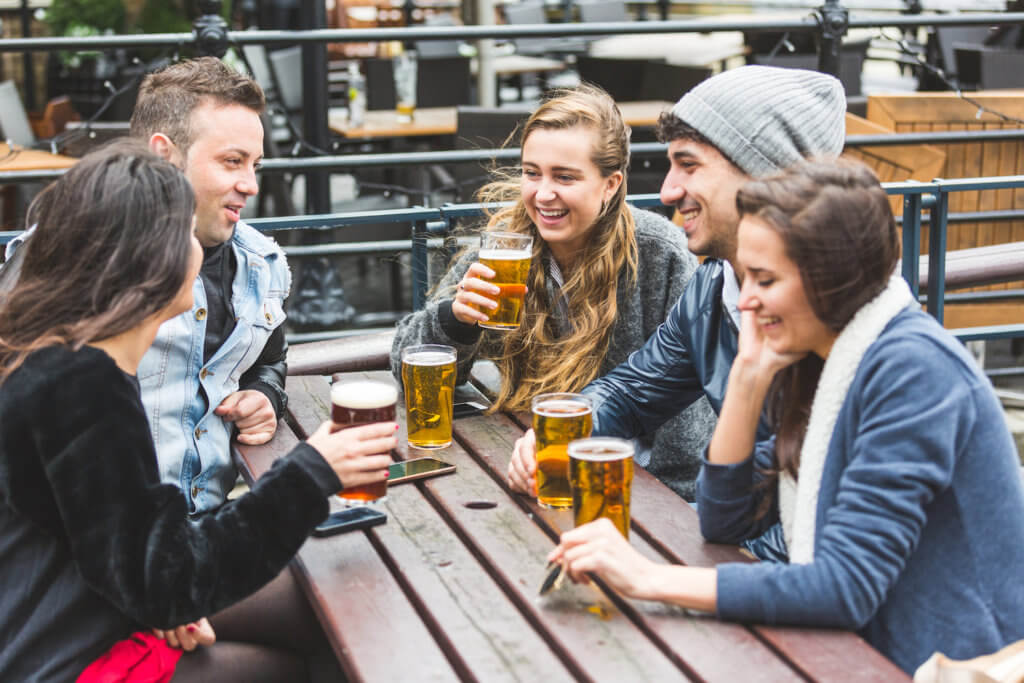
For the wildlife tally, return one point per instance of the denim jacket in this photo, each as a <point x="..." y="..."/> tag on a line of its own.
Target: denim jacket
<point x="180" y="393"/>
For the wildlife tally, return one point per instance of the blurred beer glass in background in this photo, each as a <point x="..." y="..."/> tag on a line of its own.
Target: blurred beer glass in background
<point x="404" y="69"/>
<point x="557" y="420"/>
<point x="600" y="477"/>
<point x="428" y="375"/>
<point x="508" y="255"/>
<point x="363" y="402"/>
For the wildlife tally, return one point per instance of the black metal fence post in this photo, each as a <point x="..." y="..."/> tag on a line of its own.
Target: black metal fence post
<point x="912" y="240"/>
<point x="314" y="102"/>
<point x="937" y="254"/>
<point x="833" y="19"/>
<point x="419" y="265"/>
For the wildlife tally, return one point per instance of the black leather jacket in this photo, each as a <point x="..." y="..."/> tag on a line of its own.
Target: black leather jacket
<point x="688" y="356"/>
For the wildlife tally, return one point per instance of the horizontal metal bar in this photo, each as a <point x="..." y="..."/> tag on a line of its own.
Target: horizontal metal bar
<point x="934" y="138"/>
<point x="415" y="33"/>
<point x="991" y="296"/>
<point x="966" y="334"/>
<point x="335" y="220"/>
<point x="343" y="162"/>
<point x="995" y="216"/>
<point x="958" y="185"/>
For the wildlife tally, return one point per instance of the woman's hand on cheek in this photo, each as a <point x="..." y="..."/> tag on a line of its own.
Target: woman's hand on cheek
<point x="755" y="354"/>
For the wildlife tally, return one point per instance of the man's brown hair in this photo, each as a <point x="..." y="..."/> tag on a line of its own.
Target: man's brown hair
<point x="168" y="97"/>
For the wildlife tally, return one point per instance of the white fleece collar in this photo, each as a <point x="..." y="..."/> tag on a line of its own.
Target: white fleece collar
<point x="798" y="500"/>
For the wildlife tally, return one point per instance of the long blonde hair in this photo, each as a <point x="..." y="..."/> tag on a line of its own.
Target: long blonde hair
<point x="533" y="359"/>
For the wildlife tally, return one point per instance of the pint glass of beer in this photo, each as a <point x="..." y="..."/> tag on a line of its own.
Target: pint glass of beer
<point x="557" y="420"/>
<point x="357" y="403"/>
<point x="600" y="476"/>
<point x="508" y="255"/>
<point x="428" y="375"/>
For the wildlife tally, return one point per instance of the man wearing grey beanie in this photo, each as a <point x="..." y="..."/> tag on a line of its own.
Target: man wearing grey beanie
<point x="743" y="123"/>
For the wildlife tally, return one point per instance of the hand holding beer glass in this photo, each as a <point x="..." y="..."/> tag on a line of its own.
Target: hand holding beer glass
<point x="557" y="420"/>
<point x="428" y="375"/>
<point x="356" y="403"/>
<point x="505" y="257"/>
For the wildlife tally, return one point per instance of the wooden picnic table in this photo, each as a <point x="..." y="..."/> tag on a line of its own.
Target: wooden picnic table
<point x="447" y="589"/>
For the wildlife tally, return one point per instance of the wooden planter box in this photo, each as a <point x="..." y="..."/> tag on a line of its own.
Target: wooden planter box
<point x="921" y="112"/>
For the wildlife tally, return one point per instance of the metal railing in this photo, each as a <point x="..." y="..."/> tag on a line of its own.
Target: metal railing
<point x="210" y="36"/>
<point x="918" y="198"/>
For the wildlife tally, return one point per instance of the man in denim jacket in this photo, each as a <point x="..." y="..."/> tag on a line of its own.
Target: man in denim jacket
<point x="221" y="365"/>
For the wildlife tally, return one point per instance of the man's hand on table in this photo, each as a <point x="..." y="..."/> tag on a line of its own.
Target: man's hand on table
<point x="252" y="413"/>
<point x="522" y="468"/>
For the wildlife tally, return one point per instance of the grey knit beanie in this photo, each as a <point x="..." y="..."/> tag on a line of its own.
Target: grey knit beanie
<point x="766" y="118"/>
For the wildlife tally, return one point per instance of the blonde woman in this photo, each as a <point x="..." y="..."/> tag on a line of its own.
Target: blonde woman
<point x="603" y="277"/>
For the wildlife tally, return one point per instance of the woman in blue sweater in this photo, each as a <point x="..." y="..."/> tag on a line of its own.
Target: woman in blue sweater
<point x="891" y="470"/>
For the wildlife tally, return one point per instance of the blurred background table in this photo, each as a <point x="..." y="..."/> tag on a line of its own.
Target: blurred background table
<point x="447" y="589"/>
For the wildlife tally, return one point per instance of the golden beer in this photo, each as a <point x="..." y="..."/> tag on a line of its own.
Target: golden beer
<point x="508" y="254"/>
<point x="557" y="420"/>
<point x="601" y="476"/>
<point x="359" y="403"/>
<point x="428" y="375"/>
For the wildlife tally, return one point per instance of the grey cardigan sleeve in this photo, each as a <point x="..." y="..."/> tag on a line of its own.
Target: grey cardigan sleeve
<point x="435" y="324"/>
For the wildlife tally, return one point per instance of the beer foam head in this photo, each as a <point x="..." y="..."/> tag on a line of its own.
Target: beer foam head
<point x="600" y="449"/>
<point x="562" y="407"/>
<point x="428" y="358"/>
<point x="363" y="394"/>
<point x="505" y="254"/>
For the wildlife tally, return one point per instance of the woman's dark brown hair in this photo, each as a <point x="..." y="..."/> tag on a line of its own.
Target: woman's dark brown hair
<point x="110" y="248"/>
<point x="837" y="227"/>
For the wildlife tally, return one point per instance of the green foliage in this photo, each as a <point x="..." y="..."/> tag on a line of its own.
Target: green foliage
<point x="69" y="17"/>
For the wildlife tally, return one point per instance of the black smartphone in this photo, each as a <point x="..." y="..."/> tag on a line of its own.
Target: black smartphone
<point x="350" y="519"/>
<point x="418" y="468"/>
<point x="467" y="409"/>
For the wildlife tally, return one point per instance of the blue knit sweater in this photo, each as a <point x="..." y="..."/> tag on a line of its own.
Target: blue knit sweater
<point x="919" y="539"/>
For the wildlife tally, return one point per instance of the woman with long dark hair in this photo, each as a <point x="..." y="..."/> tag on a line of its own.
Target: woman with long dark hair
<point x="892" y="471"/>
<point x="93" y="548"/>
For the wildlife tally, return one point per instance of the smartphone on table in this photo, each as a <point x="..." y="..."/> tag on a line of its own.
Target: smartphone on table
<point x="350" y="519"/>
<point x="417" y="468"/>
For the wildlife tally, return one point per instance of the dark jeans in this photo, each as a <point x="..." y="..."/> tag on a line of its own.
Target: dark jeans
<point x="769" y="546"/>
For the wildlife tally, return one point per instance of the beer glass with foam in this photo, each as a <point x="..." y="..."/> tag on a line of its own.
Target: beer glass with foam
<point x="557" y="420"/>
<point x="600" y="477"/>
<point x="428" y="375"/>
<point x="508" y="255"/>
<point x="363" y="402"/>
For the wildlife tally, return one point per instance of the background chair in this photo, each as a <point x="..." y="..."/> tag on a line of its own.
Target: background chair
<point x="482" y="128"/>
<point x="603" y="10"/>
<point x="634" y="80"/>
<point x="14" y="123"/>
<point x="440" y="82"/>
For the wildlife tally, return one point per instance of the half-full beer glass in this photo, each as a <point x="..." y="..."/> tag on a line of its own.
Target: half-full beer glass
<point x="428" y="375"/>
<point x="601" y="476"/>
<point x="508" y="255"/>
<point x="557" y="420"/>
<point x="362" y="402"/>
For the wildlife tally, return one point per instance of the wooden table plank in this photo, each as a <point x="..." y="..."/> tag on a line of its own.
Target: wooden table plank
<point x="579" y="619"/>
<point x="696" y="639"/>
<point x="347" y="565"/>
<point x="670" y="524"/>
<point x="494" y="641"/>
